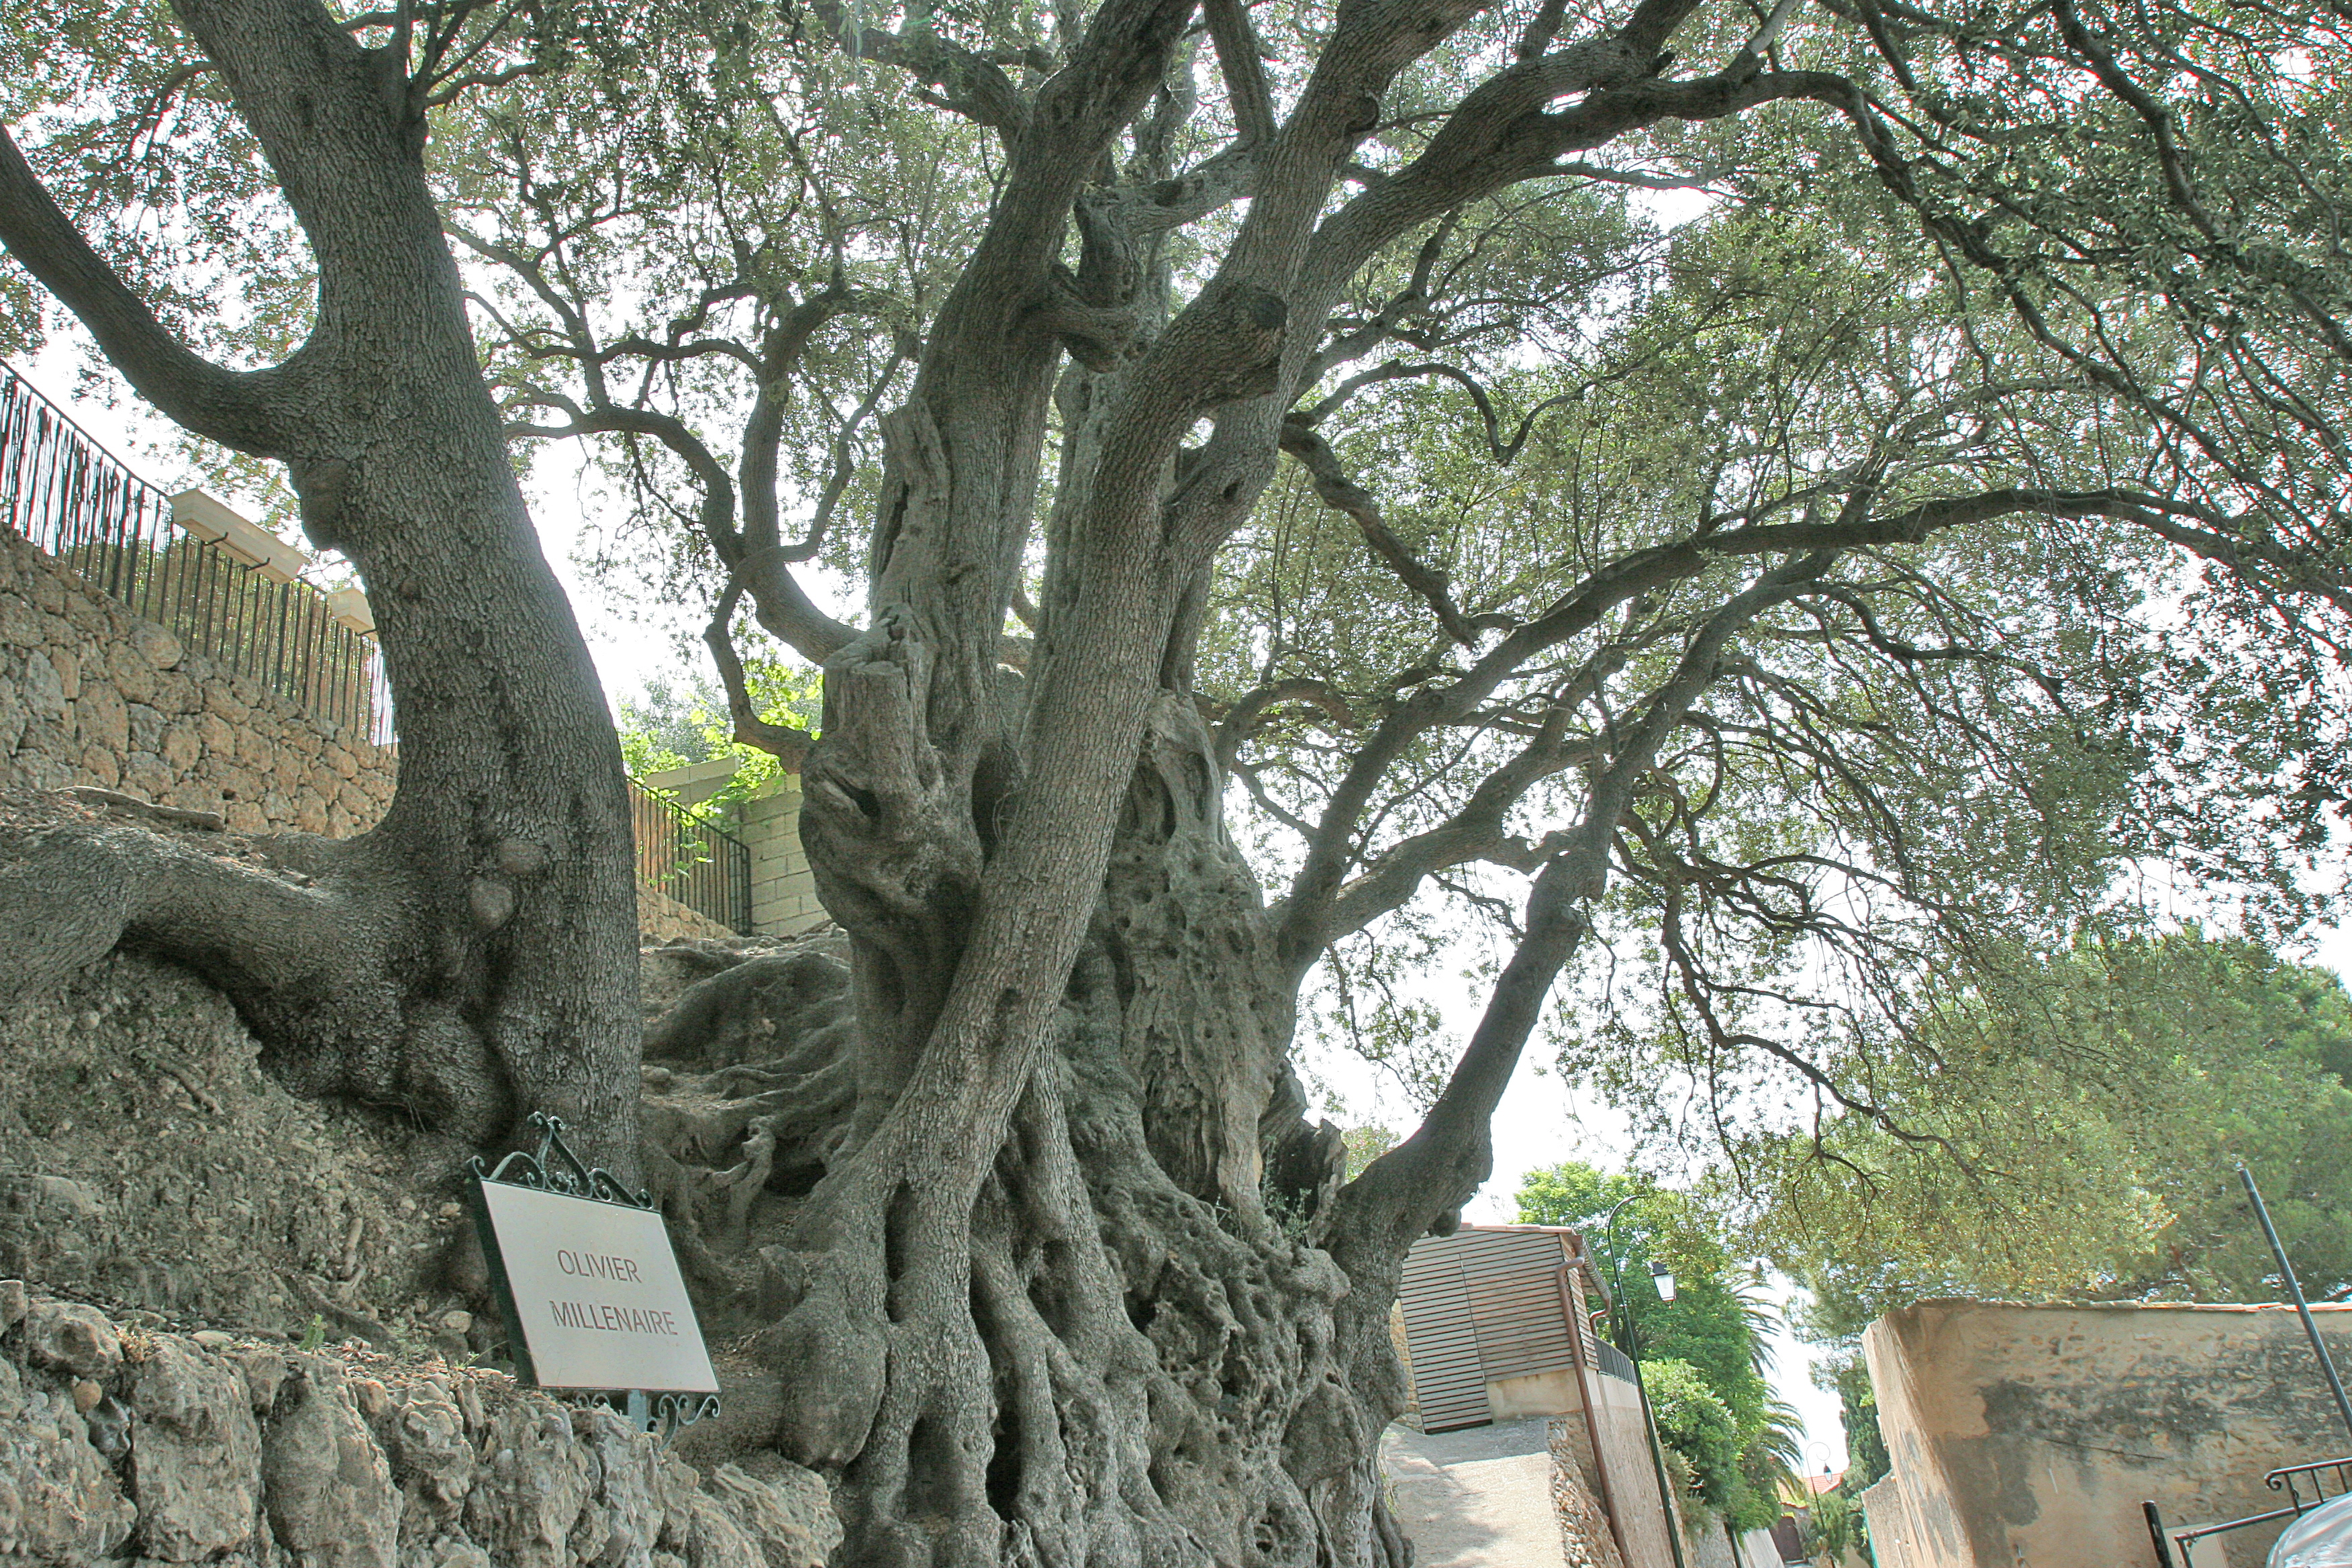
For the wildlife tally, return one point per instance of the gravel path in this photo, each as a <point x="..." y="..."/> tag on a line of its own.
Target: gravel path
<point x="1475" y="1499"/>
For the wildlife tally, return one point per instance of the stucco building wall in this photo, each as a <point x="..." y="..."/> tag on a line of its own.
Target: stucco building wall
<point x="2034" y="1434"/>
<point x="1635" y="1500"/>
<point x="91" y="694"/>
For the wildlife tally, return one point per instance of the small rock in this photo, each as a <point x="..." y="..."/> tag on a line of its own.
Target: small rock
<point x="11" y="1303"/>
<point x="155" y="645"/>
<point x="198" y="1451"/>
<point x="213" y="1340"/>
<point x="69" y="1335"/>
<point x="457" y="1323"/>
<point x="369" y="1395"/>
<point x="110" y="1428"/>
<point x="76" y="1198"/>
<point x="790" y="1515"/>
<point x="452" y="1211"/>
<point x="86" y="1396"/>
<point x="264" y="1372"/>
<point x="327" y="1487"/>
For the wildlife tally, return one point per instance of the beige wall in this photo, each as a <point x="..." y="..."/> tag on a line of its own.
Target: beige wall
<point x="2031" y="1435"/>
<point x="783" y="890"/>
<point x="91" y="694"/>
<point x="1536" y="1393"/>
<point x="1634" y="1497"/>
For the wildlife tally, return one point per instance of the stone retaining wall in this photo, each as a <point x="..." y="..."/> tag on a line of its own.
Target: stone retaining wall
<point x="2037" y="1433"/>
<point x="91" y="694"/>
<point x="1585" y="1537"/>
<point x="123" y="1443"/>
<point x="661" y="918"/>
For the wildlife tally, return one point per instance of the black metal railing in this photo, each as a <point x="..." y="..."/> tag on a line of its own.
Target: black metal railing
<point x="2294" y="1479"/>
<point x="64" y="492"/>
<point x="695" y="861"/>
<point x="1613" y="1362"/>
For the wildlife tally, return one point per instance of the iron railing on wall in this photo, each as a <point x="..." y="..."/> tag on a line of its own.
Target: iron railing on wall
<point x="699" y="863"/>
<point x="2291" y="1481"/>
<point x="1612" y="1362"/>
<point x="64" y="492"/>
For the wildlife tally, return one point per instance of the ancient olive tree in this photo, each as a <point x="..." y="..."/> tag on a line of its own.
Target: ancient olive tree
<point x="1278" y="398"/>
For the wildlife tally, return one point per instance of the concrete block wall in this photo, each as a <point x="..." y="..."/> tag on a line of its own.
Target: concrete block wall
<point x="91" y="694"/>
<point x="783" y="889"/>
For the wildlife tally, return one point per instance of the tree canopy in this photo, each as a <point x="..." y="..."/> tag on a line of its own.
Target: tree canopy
<point x="2078" y="1136"/>
<point x="1787" y="623"/>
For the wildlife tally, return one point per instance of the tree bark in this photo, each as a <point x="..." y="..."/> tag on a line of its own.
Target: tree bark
<point x="484" y="962"/>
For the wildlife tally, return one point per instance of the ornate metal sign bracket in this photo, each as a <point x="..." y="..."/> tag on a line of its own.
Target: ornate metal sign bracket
<point x="669" y="1414"/>
<point x="556" y="1170"/>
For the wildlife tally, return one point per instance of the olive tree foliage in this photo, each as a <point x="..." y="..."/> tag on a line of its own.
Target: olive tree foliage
<point x="1843" y="586"/>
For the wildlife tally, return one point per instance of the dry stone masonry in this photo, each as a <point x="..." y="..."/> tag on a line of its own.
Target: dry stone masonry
<point x="1585" y="1539"/>
<point x="91" y="694"/>
<point x="118" y="1444"/>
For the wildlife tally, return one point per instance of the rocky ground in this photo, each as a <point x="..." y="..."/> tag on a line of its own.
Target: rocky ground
<point x="123" y="1443"/>
<point x="148" y="1165"/>
<point x="246" y="1329"/>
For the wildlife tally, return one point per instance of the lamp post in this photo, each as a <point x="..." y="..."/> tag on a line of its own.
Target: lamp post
<point x="2295" y="1294"/>
<point x="1663" y="1277"/>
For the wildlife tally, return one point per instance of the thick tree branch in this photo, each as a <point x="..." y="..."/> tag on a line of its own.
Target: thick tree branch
<point x="788" y="743"/>
<point x="1422" y="1182"/>
<point x="1306" y="912"/>
<point x="235" y="408"/>
<point x="1341" y="493"/>
<point x="1237" y="57"/>
<point x="1475" y="832"/>
<point x="1240" y="722"/>
<point x="784" y="608"/>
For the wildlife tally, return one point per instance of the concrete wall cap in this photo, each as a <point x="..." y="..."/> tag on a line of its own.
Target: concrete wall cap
<point x="1965" y="1303"/>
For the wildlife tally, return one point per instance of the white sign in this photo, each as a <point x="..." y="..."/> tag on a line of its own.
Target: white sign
<point x="595" y="1294"/>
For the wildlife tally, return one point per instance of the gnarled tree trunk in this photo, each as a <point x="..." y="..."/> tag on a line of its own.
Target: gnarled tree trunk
<point x="1072" y="1281"/>
<point x="1144" y="1354"/>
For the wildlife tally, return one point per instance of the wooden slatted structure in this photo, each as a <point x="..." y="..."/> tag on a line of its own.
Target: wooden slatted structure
<point x="1447" y="1379"/>
<point x="1490" y="1303"/>
<point x="1514" y="1277"/>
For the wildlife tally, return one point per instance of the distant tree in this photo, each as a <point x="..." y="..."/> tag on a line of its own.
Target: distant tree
<point x="1711" y="1332"/>
<point x="1865" y="1446"/>
<point x="2074" y="1133"/>
<point x="674" y="723"/>
<point x="1836" y="1525"/>
<point x="1694" y="1422"/>
<point x="1365" y="1145"/>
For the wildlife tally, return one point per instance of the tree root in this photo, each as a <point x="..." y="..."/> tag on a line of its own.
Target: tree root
<point x="316" y="941"/>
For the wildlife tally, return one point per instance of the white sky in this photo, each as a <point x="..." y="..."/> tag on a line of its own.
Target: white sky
<point x="1539" y="1123"/>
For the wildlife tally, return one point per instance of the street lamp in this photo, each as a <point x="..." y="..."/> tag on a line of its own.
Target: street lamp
<point x="1663" y="1277"/>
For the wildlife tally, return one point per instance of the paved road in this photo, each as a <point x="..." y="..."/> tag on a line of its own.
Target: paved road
<point x="1475" y="1498"/>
